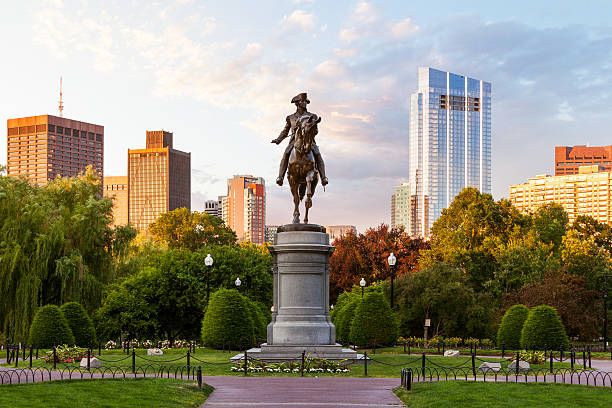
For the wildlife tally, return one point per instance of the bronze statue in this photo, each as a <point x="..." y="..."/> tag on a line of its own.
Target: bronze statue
<point x="301" y="155"/>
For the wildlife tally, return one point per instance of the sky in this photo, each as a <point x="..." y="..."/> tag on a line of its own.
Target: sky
<point x="221" y="75"/>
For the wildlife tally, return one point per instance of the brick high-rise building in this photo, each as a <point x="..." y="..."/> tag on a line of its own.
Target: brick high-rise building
<point x="569" y="158"/>
<point x="587" y="193"/>
<point x="45" y="146"/>
<point x="244" y="208"/>
<point x="159" y="180"/>
<point x="116" y="187"/>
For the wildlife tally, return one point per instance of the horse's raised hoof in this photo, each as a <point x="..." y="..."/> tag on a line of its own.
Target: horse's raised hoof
<point x="279" y="181"/>
<point x="324" y="181"/>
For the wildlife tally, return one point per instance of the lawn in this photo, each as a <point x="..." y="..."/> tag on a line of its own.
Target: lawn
<point x="105" y="393"/>
<point x="454" y="394"/>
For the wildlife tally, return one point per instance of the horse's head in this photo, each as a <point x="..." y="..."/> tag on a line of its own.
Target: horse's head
<point x="306" y="130"/>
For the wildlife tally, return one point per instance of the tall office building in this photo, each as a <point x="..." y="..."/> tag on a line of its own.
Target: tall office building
<point x="159" y="180"/>
<point x="214" y="207"/>
<point x="587" y="193"/>
<point x="450" y="143"/>
<point x="271" y="231"/>
<point x="45" y="146"/>
<point x="569" y="158"/>
<point x="244" y="208"/>
<point x="400" y="207"/>
<point x="116" y="188"/>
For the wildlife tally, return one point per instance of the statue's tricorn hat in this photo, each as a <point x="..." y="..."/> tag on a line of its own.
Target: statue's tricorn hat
<point x="300" y="97"/>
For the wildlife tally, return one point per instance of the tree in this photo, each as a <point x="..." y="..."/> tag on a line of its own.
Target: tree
<point x="587" y="226"/>
<point x="228" y="321"/>
<point x="569" y="295"/>
<point x="50" y="328"/>
<point x="551" y="221"/>
<point x="509" y="333"/>
<point x="365" y="256"/>
<point x="543" y="330"/>
<point x="582" y="256"/>
<point x="80" y="324"/>
<point x="374" y="322"/>
<point x="344" y="320"/>
<point x="182" y="228"/>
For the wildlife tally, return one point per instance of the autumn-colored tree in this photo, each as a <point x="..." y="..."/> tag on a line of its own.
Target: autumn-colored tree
<point x="182" y="228"/>
<point x="587" y="226"/>
<point x="365" y="256"/>
<point x="582" y="256"/>
<point x="578" y="306"/>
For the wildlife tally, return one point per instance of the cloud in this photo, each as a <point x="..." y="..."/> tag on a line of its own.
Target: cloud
<point x="402" y="28"/>
<point x="367" y="21"/>
<point x="299" y="20"/>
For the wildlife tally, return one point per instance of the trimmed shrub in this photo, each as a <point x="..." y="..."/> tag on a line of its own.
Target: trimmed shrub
<point x="50" y="328"/>
<point x="80" y="324"/>
<point x="511" y="327"/>
<point x="344" y="318"/>
<point x="260" y="322"/>
<point x="374" y="322"/>
<point x="543" y="330"/>
<point x="228" y="321"/>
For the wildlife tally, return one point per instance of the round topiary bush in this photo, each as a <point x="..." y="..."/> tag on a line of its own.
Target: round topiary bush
<point x="80" y="324"/>
<point x="344" y="318"/>
<point x="511" y="327"/>
<point x="228" y="321"/>
<point x="374" y="323"/>
<point x="543" y="330"/>
<point x="50" y="328"/>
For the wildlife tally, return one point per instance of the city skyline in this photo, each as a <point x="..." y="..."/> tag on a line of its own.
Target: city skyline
<point x="197" y="70"/>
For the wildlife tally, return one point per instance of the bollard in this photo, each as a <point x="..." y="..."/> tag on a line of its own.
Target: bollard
<point x="408" y="379"/>
<point x="133" y="361"/>
<point x="200" y="377"/>
<point x="188" y="361"/>
<point x="589" y="356"/>
<point x="246" y="362"/>
<point x="561" y="355"/>
<point x="88" y="359"/>
<point x="474" y="365"/>
<point x="54" y="357"/>
<point x="31" y="352"/>
<point x="303" y="361"/>
<point x="518" y="359"/>
<point x="503" y="345"/>
<point x="365" y="363"/>
<point x="572" y="359"/>
<point x="16" y="353"/>
<point x="551" y="361"/>
<point x="99" y="348"/>
<point x="423" y="364"/>
<point x="584" y="364"/>
<point x="410" y="342"/>
<point x="8" y="356"/>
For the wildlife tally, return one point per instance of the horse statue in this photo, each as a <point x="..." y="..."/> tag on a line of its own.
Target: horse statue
<point x="302" y="173"/>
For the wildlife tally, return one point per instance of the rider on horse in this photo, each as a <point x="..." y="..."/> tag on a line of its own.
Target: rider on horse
<point x="301" y="101"/>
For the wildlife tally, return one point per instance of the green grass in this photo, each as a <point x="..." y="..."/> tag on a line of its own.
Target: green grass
<point x="105" y="393"/>
<point x="454" y="394"/>
<point x="384" y="365"/>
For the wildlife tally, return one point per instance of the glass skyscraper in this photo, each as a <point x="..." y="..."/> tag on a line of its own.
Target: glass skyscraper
<point x="450" y="143"/>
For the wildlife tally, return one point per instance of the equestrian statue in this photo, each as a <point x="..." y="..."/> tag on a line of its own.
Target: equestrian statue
<point x="302" y="158"/>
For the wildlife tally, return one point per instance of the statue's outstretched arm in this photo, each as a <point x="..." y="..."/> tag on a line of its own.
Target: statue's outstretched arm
<point x="284" y="133"/>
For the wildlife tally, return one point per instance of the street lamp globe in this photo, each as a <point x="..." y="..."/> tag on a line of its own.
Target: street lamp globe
<point x="391" y="259"/>
<point x="362" y="282"/>
<point x="238" y="282"/>
<point x="208" y="261"/>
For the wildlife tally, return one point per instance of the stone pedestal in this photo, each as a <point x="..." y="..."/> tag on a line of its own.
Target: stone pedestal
<point x="300" y="320"/>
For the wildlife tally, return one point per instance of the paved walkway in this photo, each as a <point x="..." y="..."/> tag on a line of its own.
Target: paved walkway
<point x="307" y="392"/>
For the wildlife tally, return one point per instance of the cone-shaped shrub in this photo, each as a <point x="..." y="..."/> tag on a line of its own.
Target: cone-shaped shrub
<point x="50" y="328"/>
<point x="511" y="327"/>
<point x="374" y="323"/>
<point x="344" y="319"/>
<point x="228" y="321"/>
<point x="80" y="324"/>
<point x="543" y="330"/>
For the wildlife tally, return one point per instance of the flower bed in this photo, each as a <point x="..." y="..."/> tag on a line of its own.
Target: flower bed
<point x="311" y="365"/>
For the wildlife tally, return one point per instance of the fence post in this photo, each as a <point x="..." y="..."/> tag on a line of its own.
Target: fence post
<point x="365" y="363"/>
<point x="200" y="377"/>
<point x="561" y="355"/>
<point x="474" y="364"/>
<point x="584" y="364"/>
<point x="133" y="361"/>
<point x="423" y="364"/>
<point x="503" y="344"/>
<point x="518" y="359"/>
<point x="411" y="342"/>
<point x="408" y="379"/>
<point x="303" y="362"/>
<point x="88" y="359"/>
<point x="188" y="361"/>
<point x="246" y="362"/>
<point x="54" y="357"/>
<point x="8" y="356"/>
<point x="24" y="347"/>
<point x="16" y="352"/>
<point x="443" y="347"/>
<point x="99" y="348"/>
<point x="551" y="361"/>
<point x="572" y="359"/>
<point x="589" y="356"/>
<point x="31" y="352"/>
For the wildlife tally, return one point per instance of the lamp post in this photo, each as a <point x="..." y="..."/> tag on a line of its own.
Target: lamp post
<point x="392" y="259"/>
<point x="362" y="283"/>
<point x="208" y="261"/>
<point x="605" y="305"/>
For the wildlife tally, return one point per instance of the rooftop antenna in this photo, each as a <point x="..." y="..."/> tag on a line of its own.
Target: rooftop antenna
<point x="61" y="104"/>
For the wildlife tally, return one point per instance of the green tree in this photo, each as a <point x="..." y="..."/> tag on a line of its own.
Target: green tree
<point x="374" y="322"/>
<point x="50" y="328"/>
<point x="509" y="332"/>
<point x="344" y="320"/>
<point x="587" y="226"/>
<point x="582" y="256"/>
<point x="228" y="321"/>
<point x="80" y="324"/>
<point x="543" y="330"/>
<point x="182" y="228"/>
<point x="551" y="222"/>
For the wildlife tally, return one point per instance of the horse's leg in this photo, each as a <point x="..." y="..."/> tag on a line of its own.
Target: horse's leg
<point x="296" y="199"/>
<point x="308" y="203"/>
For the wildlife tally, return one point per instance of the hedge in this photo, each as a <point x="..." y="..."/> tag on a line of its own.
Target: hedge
<point x="374" y="322"/>
<point x="228" y="321"/>
<point x="543" y="330"/>
<point x="50" y="328"/>
<point x="511" y="326"/>
<point x="80" y="324"/>
<point x="344" y="319"/>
